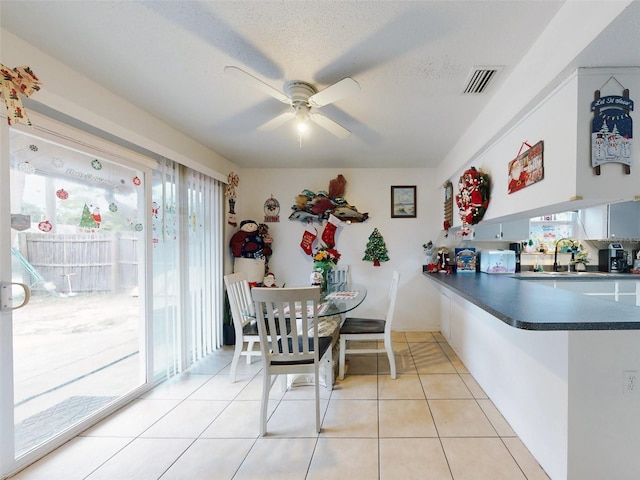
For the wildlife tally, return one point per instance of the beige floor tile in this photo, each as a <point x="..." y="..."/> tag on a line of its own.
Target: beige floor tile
<point x="439" y="338"/>
<point x="460" y="418"/>
<point x="295" y="418"/>
<point x="526" y="461"/>
<point x="277" y="459"/>
<point x="213" y="364"/>
<point x="480" y="458"/>
<point x="398" y="336"/>
<point x="133" y="419"/>
<point x="419" y="350"/>
<point x="75" y="459"/>
<point x="241" y="419"/>
<point x="457" y="364"/>
<point x="495" y="417"/>
<point x="253" y="390"/>
<point x="405" y="418"/>
<point x="404" y="364"/>
<point x="142" y="459"/>
<point x="210" y="458"/>
<point x="473" y="386"/>
<point x="187" y="420"/>
<point x="243" y="368"/>
<point x="418" y="337"/>
<point x="444" y="385"/>
<point x="399" y="459"/>
<point x="446" y="348"/>
<point x="403" y="387"/>
<point x="434" y="364"/>
<point x="361" y="365"/>
<point x="220" y="387"/>
<point x="356" y="387"/>
<point x="178" y="387"/>
<point x="345" y="458"/>
<point x="351" y="418"/>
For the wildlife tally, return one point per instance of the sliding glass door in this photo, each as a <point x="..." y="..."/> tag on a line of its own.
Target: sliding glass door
<point x="74" y="239"/>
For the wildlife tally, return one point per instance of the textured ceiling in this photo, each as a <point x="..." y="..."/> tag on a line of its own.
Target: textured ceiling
<point x="411" y="60"/>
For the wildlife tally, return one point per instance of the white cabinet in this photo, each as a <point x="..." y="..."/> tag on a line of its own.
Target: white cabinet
<point x="492" y="231"/>
<point x="513" y="231"/>
<point x="616" y="220"/>
<point x="445" y="317"/>
<point x="624" y="220"/>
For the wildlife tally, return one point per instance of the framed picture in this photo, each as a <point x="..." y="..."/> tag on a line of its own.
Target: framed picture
<point x="403" y="201"/>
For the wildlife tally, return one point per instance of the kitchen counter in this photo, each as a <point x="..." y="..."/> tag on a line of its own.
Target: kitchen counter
<point x="526" y="305"/>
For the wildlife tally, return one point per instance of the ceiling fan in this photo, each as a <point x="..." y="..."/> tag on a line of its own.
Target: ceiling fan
<point x="304" y="99"/>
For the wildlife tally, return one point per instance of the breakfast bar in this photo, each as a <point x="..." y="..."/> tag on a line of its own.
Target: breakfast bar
<point x="554" y="362"/>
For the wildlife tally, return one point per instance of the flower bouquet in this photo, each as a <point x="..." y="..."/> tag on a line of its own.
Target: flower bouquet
<point x="324" y="260"/>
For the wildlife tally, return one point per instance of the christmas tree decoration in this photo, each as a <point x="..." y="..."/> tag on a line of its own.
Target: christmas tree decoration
<point x="87" y="222"/>
<point x="376" y="250"/>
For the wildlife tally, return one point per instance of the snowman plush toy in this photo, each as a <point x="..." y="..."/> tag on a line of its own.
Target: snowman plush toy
<point x="248" y="242"/>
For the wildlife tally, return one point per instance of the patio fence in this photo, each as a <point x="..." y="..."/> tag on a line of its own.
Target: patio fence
<point x="77" y="263"/>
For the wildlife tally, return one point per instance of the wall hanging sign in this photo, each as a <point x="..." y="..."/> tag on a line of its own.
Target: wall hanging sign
<point x="611" y="129"/>
<point x="271" y="210"/>
<point x="527" y="168"/>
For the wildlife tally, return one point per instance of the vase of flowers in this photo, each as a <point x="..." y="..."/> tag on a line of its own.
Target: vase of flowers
<point x="324" y="260"/>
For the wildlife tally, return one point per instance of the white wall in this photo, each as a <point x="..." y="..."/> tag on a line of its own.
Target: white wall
<point x="368" y="189"/>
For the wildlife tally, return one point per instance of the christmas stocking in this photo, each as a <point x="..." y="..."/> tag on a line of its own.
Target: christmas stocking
<point x="308" y="237"/>
<point x="329" y="233"/>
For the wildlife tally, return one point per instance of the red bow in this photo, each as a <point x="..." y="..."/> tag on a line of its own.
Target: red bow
<point x="20" y="80"/>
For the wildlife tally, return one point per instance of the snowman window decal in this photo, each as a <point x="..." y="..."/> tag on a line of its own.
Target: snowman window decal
<point x="611" y="130"/>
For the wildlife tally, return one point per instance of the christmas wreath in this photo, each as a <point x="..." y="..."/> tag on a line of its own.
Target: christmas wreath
<point x="473" y="196"/>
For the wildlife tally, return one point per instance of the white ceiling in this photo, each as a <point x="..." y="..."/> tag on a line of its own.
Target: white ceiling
<point x="411" y="59"/>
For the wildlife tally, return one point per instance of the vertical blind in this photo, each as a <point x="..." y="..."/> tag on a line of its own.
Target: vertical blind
<point x="188" y="219"/>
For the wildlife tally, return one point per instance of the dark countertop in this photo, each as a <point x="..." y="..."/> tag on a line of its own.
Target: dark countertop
<point x="529" y="305"/>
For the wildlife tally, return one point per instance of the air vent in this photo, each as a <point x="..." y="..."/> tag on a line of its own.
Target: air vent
<point x="479" y="79"/>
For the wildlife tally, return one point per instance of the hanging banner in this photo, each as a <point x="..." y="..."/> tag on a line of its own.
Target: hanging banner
<point x="611" y="130"/>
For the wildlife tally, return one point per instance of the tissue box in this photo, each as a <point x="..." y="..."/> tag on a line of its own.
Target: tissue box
<point x="498" y="261"/>
<point x="466" y="260"/>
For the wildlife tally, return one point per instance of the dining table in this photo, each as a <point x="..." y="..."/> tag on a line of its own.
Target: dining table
<point x="335" y="301"/>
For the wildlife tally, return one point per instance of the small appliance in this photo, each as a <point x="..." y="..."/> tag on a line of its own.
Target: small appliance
<point x="612" y="259"/>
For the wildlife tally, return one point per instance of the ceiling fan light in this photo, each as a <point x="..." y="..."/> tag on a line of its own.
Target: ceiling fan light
<point x="302" y="125"/>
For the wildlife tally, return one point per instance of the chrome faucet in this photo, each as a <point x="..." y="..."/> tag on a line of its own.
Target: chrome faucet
<point x="555" y="256"/>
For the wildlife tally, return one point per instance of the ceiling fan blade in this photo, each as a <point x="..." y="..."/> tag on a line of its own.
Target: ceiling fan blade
<point x="333" y="93"/>
<point x="328" y="124"/>
<point x="277" y="121"/>
<point x="257" y="83"/>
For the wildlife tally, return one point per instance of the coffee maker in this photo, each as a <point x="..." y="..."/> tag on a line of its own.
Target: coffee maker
<point x="517" y="247"/>
<point x="613" y="259"/>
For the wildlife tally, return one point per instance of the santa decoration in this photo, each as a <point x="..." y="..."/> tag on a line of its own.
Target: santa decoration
<point x="473" y="196"/>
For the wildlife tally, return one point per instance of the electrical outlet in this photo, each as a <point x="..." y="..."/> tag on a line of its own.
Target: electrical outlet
<point x="630" y="382"/>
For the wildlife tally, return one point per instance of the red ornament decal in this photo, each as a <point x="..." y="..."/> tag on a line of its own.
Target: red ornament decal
<point x="45" y="226"/>
<point x="137" y="181"/>
<point x="62" y="194"/>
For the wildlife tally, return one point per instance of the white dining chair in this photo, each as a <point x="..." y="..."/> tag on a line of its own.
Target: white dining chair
<point x="301" y="351"/>
<point x="339" y="276"/>
<point x="244" y="322"/>
<point x="364" y="329"/>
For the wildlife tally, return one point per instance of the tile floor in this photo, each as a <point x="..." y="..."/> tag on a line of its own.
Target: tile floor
<point x="432" y="422"/>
